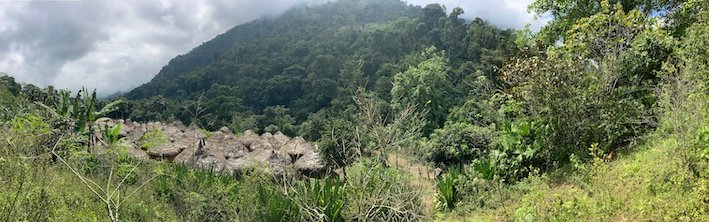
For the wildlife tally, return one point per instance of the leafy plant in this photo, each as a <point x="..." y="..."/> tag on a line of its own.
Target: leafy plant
<point x="485" y="168"/>
<point x="517" y="150"/>
<point x="30" y="124"/>
<point x="702" y="139"/>
<point x="203" y="195"/>
<point x="324" y="198"/>
<point x="111" y="134"/>
<point x="152" y="139"/>
<point x="459" y="143"/>
<point x="81" y="111"/>
<point x="276" y="205"/>
<point x="448" y="194"/>
<point x="378" y="193"/>
<point x="29" y="134"/>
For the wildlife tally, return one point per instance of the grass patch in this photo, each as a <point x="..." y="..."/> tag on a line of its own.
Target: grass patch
<point x="651" y="184"/>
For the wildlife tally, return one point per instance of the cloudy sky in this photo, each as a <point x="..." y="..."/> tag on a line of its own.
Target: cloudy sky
<point x="118" y="45"/>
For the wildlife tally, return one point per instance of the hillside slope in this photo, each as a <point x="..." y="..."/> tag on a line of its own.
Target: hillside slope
<point x="652" y="184"/>
<point x="278" y="43"/>
<point x="311" y="59"/>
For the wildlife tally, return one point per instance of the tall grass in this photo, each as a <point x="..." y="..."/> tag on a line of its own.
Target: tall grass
<point x="320" y="199"/>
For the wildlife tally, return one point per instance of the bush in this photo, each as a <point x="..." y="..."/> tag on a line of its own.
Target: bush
<point x="197" y="195"/>
<point x="702" y="142"/>
<point x="519" y="151"/>
<point x="343" y="142"/>
<point x="275" y="205"/>
<point x="8" y="104"/>
<point x="479" y="188"/>
<point x="598" y="88"/>
<point x="458" y="143"/>
<point x="152" y="139"/>
<point x="30" y="135"/>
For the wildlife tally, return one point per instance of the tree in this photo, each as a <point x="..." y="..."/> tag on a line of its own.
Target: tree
<point x="567" y="12"/>
<point x="315" y="59"/>
<point x="454" y="34"/>
<point x="432" y="14"/>
<point x="276" y="118"/>
<point x="596" y="88"/>
<point x="458" y="143"/>
<point x="427" y="87"/>
<point x="8" y="82"/>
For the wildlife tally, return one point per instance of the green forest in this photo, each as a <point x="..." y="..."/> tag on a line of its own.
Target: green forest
<point x="415" y="113"/>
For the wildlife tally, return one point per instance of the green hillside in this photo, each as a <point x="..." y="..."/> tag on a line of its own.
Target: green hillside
<point x="312" y="59"/>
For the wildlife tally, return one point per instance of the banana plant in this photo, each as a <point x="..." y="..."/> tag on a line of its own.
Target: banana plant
<point x="111" y="134"/>
<point x="64" y="105"/>
<point x="89" y="114"/>
<point x="64" y="108"/>
<point x="81" y="109"/>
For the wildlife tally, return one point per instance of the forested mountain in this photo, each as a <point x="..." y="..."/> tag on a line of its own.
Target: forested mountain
<point x="310" y="59"/>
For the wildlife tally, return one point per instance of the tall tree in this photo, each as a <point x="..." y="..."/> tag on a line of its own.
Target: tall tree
<point x="426" y="86"/>
<point x="567" y="12"/>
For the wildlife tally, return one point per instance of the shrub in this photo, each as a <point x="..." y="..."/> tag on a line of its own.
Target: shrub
<point x="484" y="168"/>
<point x="198" y="195"/>
<point x="518" y="151"/>
<point x="152" y="139"/>
<point x="276" y="206"/>
<point x="458" y="143"/>
<point x="479" y="189"/>
<point x="8" y="104"/>
<point x="596" y="88"/>
<point x="30" y="135"/>
<point x="126" y="171"/>
<point x="343" y="142"/>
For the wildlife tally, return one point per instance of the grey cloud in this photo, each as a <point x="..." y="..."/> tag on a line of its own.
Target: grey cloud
<point x="112" y="45"/>
<point x="47" y="34"/>
<point x="118" y="45"/>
